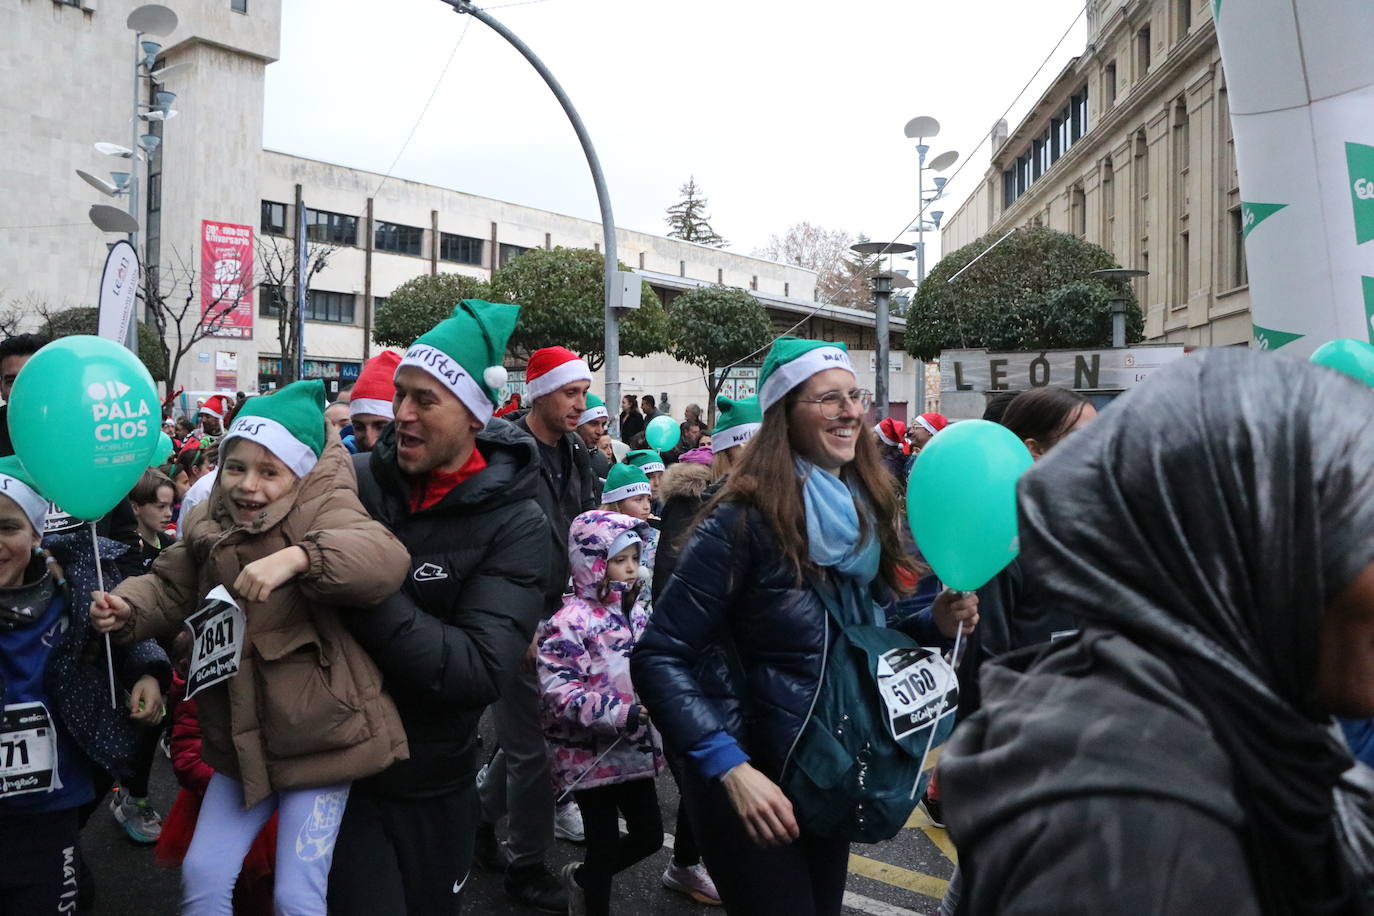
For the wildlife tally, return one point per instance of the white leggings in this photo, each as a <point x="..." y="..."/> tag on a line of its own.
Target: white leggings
<point x="307" y="827"/>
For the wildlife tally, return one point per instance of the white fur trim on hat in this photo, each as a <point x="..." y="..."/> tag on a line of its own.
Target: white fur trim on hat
<point x="878" y="428"/>
<point x="790" y="375"/>
<point x="34" y="507"/>
<point x="653" y="467"/>
<point x="732" y="436"/>
<point x="925" y="424"/>
<point x="592" y="413"/>
<point x="574" y="370"/>
<point x="455" y="378"/>
<point x="277" y="439"/>
<point x="375" y="407"/>
<point x="637" y="488"/>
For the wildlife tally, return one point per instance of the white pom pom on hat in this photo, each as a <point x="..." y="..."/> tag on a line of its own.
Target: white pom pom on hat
<point x="495" y="376"/>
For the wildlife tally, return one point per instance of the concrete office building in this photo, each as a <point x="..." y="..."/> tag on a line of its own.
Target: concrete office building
<point x="212" y="175"/>
<point x="1131" y="148"/>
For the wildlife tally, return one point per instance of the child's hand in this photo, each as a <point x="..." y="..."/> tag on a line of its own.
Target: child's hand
<point x="108" y="612"/>
<point x="145" y="701"/>
<point x="260" y="578"/>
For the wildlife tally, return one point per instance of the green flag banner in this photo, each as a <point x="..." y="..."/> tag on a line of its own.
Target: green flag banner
<point x="1300" y="87"/>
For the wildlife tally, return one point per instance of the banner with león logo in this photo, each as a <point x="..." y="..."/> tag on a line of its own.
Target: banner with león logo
<point x="1300" y="86"/>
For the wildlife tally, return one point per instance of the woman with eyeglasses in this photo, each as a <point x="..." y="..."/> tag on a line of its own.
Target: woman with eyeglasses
<point x="734" y="653"/>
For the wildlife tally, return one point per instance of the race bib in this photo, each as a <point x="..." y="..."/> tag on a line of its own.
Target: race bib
<point x="28" y="750"/>
<point x="216" y="641"/>
<point x="913" y="684"/>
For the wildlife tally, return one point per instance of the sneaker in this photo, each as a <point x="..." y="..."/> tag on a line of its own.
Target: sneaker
<point x="536" y="886"/>
<point x="692" y="880"/>
<point x="136" y="816"/>
<point x="567" y="823"/>
<point x="577" y="898"/>
<point x="488" y="851"/>
<point x="934" y="810"/>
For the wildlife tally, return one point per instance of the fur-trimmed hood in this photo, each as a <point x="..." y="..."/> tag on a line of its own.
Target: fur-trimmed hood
<point x="680" y="479"/>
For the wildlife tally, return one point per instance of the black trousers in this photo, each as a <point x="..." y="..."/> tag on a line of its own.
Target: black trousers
<point x="803" y="878"/>
<point x="404" y="856"/>
<point x="607" y="851"/>
<point x="38" y="868"/>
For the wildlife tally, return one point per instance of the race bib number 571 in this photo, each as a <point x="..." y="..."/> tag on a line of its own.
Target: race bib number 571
<point x="216" y="641"/>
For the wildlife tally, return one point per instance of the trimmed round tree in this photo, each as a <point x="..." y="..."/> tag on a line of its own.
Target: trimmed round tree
<point x="1034" y="291"/>
<point x="562" y="295"/>
<point x="420" y="303"/>
<point x="714" y="326"/>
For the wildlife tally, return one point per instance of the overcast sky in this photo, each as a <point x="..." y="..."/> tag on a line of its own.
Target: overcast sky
<point x="784" y="111"/>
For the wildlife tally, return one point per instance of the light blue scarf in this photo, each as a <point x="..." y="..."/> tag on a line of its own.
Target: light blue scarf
<point x="832" y="525"/>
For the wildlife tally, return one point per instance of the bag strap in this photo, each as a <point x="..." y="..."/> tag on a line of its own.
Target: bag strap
<point x="825" y="590"/>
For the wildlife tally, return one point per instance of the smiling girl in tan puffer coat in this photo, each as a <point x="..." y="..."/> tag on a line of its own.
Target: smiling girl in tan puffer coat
<point x="304" y="715"/>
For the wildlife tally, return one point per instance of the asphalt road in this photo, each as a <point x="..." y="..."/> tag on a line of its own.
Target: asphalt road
<point x="901" y="877"/>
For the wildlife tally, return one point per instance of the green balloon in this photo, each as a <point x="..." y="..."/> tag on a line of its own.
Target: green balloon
<point x="961" y="501"/>
<point x="1350" y="355"/>
<point x="662" y="433"/>
<point x="163" y="451"/>
<point x="84" y="418"/>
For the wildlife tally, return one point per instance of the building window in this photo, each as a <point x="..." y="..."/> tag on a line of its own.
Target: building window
<point x="273" y="218"/>
<point x="1109" y="81"/>
<point x="1236" y="252"/>
<point x="1142" y="53"/>
<point x="460" y="249"/>
<point x="1078" y="115"/>
<point x="1108" y="192"/>
<point x="398" y="238"/>
<point x="333" y="228"/>
<point x="1078" y="211"/>
<point x="1008" y="188"/>
<point x="1183" y="284"/>
<point x="320" y="305"/>
<point x="378" y="303"/>
<point x="1185" y="18"/>
<point x="238" y="6"/>
<point x="510" y="253"/>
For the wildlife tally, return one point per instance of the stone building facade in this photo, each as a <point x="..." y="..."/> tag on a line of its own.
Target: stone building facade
<point x="1131" y="148"/>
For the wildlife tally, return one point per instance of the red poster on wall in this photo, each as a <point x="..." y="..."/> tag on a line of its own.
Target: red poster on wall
<point x="226" y="278"/>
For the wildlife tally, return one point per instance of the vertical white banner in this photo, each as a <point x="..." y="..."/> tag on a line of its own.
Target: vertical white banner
<point x="118" y="290"/>
<point x="1300" y="85"/>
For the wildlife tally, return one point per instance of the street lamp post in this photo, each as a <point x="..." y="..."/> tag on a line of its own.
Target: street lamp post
<point x="1116" y="306"/>
<point x="919" y="129"/>
<point x="882" y="298"/>
<point x="614" y="286"/>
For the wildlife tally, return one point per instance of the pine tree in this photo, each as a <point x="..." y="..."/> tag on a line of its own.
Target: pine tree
<point x="689" y="219"/>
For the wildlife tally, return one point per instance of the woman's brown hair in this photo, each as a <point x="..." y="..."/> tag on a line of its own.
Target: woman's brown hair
<point x="767" y="462"/>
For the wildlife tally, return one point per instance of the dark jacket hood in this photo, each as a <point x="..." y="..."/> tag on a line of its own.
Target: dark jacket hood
<point x="511" y="475"/>
<point x="1097" y="716"/>
<point x="684" y="479"/>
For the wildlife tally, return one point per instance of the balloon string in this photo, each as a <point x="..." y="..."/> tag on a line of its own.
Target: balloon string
<point x="109" y="652"/>
<point x="939" y="711"/>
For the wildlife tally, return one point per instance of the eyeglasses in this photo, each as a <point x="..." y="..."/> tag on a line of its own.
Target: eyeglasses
<point x="833" y="403"/>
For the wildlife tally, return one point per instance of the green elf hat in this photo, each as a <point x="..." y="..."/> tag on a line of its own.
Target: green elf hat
<point x="16" y="483"/>
<point x="646" y="459"/>
<point x="792" y="361"/>
<point x="289" y="423"/>
<point x="736" y="422"/>
<point x="596" y="410"/>
<point x="624" y="481"/>
<point x="465" y="350"/>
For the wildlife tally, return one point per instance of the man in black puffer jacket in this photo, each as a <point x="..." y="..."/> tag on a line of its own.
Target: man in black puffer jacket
<point x="462" y="497"/>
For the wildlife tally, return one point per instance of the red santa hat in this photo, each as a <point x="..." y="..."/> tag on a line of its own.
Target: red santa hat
<point x="216" y="406"/>
<point x="551" y="368"/>
<point x="891" y="431"/>
<point x="375" y="389"/>
<point x="932" y="422"/>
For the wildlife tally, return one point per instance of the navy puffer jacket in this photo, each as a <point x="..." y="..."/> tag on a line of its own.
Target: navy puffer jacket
<point x="734" y="643"/>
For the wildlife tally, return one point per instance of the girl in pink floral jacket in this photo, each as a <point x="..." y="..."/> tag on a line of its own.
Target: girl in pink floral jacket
<point x="603" y="747"/>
